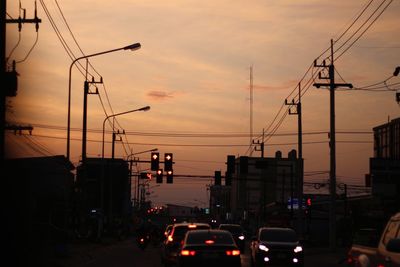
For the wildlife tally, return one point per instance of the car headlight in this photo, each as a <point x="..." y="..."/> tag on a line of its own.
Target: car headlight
<point x="263" y="247"/>
<point x="241" y="237"/>
<point x="298" y="249"/>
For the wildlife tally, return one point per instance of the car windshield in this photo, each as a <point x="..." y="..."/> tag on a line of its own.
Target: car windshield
<point x="234" y="229"/>
<point x="209" y="237"/>
<point x="278" y="235"/>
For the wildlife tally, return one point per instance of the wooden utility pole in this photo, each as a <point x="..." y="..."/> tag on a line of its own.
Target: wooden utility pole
<point x="332" y="144"/>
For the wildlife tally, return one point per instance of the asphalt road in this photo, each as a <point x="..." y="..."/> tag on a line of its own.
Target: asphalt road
<point x="126" y="253"/>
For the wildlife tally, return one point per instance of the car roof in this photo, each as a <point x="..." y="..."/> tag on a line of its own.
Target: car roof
<point x="230" y="224"/>
<point x="276" y="228"/>
<point x="187" y="224"/>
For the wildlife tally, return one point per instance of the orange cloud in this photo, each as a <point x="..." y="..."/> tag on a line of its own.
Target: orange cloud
<point x="284" y="86"/>
<point x="159" y="95"/>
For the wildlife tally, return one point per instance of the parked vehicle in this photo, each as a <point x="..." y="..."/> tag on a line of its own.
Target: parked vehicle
<point x="276" y="246"/>
<point x="209" y="248"/>
<point x="365" y="242"/>
<point x="388" y="251"/>
<point x="237" y="232"/>
<point x="171" y="246"/>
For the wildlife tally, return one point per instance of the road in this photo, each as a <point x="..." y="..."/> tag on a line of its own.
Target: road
<point x="126" y="253"/>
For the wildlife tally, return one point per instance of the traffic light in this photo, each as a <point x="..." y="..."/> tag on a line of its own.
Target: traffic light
<point x="217" y="178"/>
<point x="159" y="176"/>
<point x="170" y="177"/>
<point x="155" y="161"/>
<point x="168" y="160"/>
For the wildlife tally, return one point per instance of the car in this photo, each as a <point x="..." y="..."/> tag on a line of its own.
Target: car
<point x="237" y="232"/>
<point x="168" y="229"/>
<point x="365" y="242"/>
<point x="276" y="246"/>
<point x="209" y="248"/>
<point x="171" y="246"/>
<point x="389" y="243"/>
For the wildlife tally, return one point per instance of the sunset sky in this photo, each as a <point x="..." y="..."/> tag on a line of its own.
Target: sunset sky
<point x="193" y="69"/>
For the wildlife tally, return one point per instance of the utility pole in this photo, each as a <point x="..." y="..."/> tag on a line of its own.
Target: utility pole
<point x="4" y="74"/>
<point x="261" y="144"/>
<point x="300" y="167"/>
<point x="114" y="134"/>
<point x="332" y="144"/>
<point x="3" y="4"/>
<point x="84" y="127"/>
<point x="251" y="107"/>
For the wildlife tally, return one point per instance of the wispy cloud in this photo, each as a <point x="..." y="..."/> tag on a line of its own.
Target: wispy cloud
<point x="159" y="95"/>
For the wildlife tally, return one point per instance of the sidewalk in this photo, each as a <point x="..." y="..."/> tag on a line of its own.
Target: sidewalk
<point x="77" y="252"/>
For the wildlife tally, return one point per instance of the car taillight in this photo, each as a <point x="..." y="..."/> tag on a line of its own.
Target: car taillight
<point x="186" y="252"/>
<point x="234" y="252"/>
<point x="350" y="260"/>
<point x="170" y="239"/>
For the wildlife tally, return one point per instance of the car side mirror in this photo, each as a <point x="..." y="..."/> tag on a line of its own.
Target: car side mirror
<point x="393" y="245"/>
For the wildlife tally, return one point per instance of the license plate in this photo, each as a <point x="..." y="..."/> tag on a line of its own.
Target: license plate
<point x="210" y="256"/>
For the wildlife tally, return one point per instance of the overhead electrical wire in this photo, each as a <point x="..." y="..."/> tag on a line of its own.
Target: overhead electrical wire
<point x="310" y="81"/>
<point x="73" y="57"/>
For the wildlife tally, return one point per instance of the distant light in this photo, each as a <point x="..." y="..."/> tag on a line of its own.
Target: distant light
<point x="298" y="249"/>
<point x="295" y="260"/>
<point x="263" y="247"/>
<point x="241" y="237"/>
<point x="266" y="259"/>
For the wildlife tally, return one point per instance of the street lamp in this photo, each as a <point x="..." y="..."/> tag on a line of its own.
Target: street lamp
<point x="146" y="108"/>
<point x="132" y="47"/>
<point x="396" y="71"/>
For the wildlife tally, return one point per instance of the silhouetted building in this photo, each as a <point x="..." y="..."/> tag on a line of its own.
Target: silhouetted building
<point x="220" y="202"/>
<point x="385" y="165"/>
<point x="38" y="206"/>
<point x="262" y="185"/>
<point x="103" y="186"/>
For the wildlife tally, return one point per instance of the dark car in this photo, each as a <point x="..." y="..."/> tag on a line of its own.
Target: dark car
<point x="209" y="248"/>
<point x="171" y="246"/>
<point x="276" y="246"/>
<point x="237" y="232"/>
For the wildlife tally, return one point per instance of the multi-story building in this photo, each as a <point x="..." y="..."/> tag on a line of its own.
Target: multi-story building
<point x="385" y="165"/>
<point x="261" y="186"/>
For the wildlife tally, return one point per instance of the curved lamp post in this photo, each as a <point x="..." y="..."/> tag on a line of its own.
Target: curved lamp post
<point x="146" y="108"/>
<point x="132" y="47"/>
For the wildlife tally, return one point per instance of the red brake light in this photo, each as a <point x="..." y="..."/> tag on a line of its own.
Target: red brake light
<point x="188" y="252"/>
<point x="234" y="252"/>
<point x="209" y="242"/>
<point x="191" y="226"/>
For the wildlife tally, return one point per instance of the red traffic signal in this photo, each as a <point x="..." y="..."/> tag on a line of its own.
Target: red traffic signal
<point x="159" y="176"/>
<point x="170" y="177"/>
<point x="168" y="161"/>
<point x="155" y="161"/>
